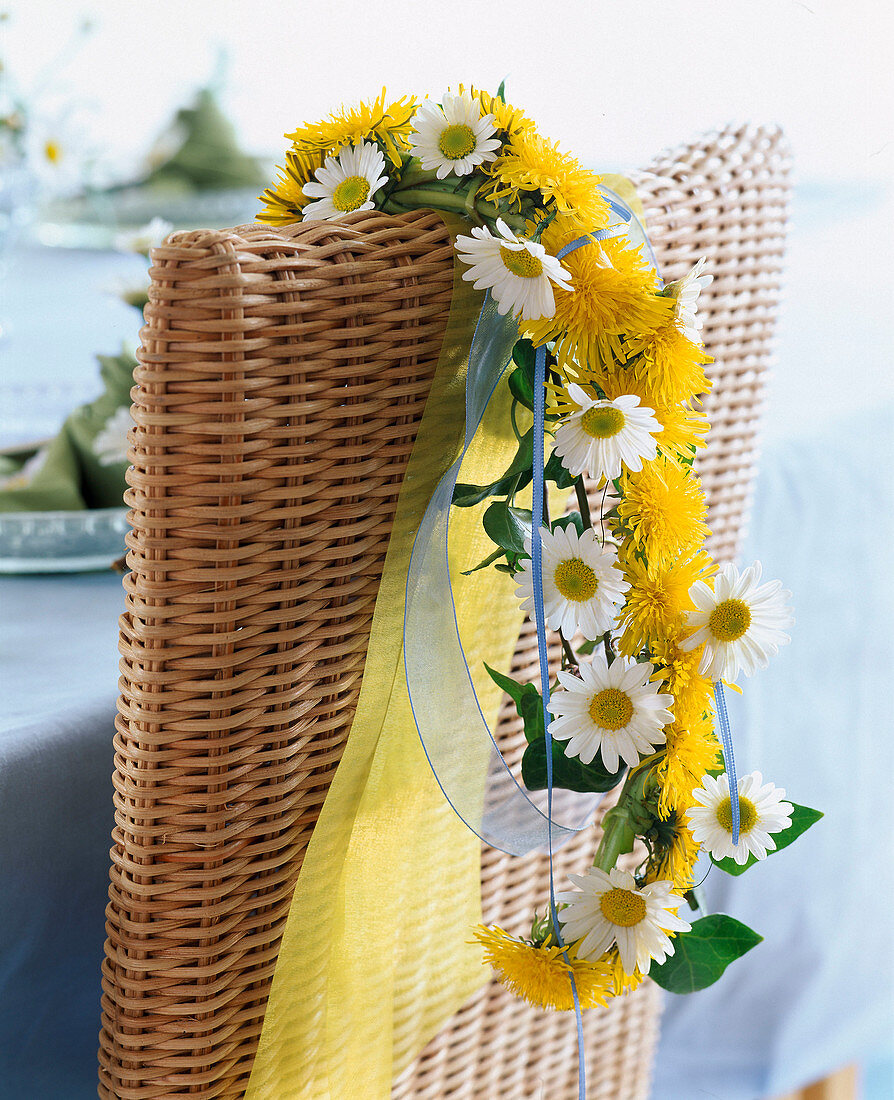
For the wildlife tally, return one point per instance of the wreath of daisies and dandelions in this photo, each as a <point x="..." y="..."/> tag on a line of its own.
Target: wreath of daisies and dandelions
<point x="647" y="621"/>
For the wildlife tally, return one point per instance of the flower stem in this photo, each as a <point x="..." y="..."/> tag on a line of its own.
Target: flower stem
<point x="582" y="501"/>
<point x="619" y="831"/>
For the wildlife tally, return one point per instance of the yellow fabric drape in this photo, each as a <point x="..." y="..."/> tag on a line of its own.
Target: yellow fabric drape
<point x="374" y="958"/>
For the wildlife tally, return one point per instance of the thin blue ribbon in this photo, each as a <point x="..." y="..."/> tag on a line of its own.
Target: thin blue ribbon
<point x="519" y="828"/>
<point x="728" y="757"/>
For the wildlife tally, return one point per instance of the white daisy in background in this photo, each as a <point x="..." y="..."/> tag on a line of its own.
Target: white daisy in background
<point x="762" y="811"/>
<point x="741" y="622"/>
<point x="608" y="909"/>
<point x="685" y="292"/>
<point x="455" y="138"/>
<point x="518" y="273"/>
<point x="613" y="708"/>
<point x="603" y="435"/>
<point x="582" y="585"/>
<point x="110" y="442"/>
<point x="345" y="183"/>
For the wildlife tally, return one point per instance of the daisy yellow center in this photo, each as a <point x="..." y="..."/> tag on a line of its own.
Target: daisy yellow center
<point x="622" y="907"/>
<point x="611" y="709"/>
<point x="729" y="620"/>
<point x="521" y="263"/>
<point x="602" y="421"/>
<point x="457" y="141"/>
<point x="747" y="814"/>
<point x="351" y="193"/>
<point x="575" y="580"/>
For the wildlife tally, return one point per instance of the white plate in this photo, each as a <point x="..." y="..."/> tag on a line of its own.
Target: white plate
<point x="61" y="542"/>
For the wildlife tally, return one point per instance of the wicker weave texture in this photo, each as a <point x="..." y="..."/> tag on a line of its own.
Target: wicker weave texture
<point x="282" y="377"/>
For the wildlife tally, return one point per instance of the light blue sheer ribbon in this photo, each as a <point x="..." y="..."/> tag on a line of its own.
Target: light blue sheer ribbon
<point x="728" y="758"/>
<point x="460" y="747"/>
<point x="450" y="722"/>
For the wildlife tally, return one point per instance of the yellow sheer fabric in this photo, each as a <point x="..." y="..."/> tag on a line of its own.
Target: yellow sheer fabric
<point x="374" y="958"/>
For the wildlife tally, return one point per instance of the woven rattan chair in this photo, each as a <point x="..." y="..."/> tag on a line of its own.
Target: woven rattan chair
<point x="282" y="376"/>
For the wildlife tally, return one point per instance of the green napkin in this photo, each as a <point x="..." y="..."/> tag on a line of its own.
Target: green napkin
<point x="208" y="156"/>
<point x="83" y="467"/>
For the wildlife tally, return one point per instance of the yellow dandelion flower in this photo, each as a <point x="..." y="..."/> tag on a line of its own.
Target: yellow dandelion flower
<point x="531" y="163"/>
<point x="675" y="853"/>
<point x="673" y="365"/>
<point x="506" y="117"/>
<point x="678" y="671"/>
<point x="622" y="982"/>
<point x="389" y="124"/>
<point x="683" y="430"/>
<point x="285" y="197"/>
<point x="663" y="508"/>
<point x="540" y="975"/>
<point x="613" y="293"/>
<point x="658" y="599"/>
<point x="691" y="751"/>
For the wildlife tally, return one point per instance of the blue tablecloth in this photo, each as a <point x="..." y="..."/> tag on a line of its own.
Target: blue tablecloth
<point x="58" y="657"/>
<point x="813" y="996"/>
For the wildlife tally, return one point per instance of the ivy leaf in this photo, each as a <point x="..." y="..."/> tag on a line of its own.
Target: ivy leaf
<point x="516" y="477"/>
<point x="528" y="703"/>
<point x="702" y="954"/>
<point x="573" y="519"/>
<point x="802" y="818"/>
<point x="555" y="471"/>
<point x="568" y="771"/>
<point x="522" y="388"/>
<point x="507" y="526"/>
<point x="523" y="356"/>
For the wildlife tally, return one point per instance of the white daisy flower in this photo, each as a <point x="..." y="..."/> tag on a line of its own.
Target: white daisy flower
<point x="518" y="273"/>
<point x="453" y="138"/>
<point x="613" y="708"/>
<point x="685" y="292"/>
<point x="741" y="622"/>
<point x="762" y="811"/>
<point x="346" y="183"/>
<point x="603" y="435"/>
<point x="582" y="585"/>
<point x="608" y="909"/>
<point x="110" y="442"/>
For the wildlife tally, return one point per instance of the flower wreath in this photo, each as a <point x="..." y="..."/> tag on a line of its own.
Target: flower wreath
<point x="650" y="626"/>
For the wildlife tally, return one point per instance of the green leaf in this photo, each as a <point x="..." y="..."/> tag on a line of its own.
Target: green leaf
<point x="555" y="471"/>
<point x="523" y="356"/>
<point x="465" y="495"/>
<point x="802" y="818"/>
<point x="702" y="954"/>
<point x="522" y="388"/>
<point x="586" y="648"/>
<point x="573" y="519"/>
<point x="528" y="703"/>
<point x="512" y="687"/>
<point x="489" y="560"/>
<point x="501" y="91"/>
<point x="568" y="772"/>
<point x="507" y="526"/>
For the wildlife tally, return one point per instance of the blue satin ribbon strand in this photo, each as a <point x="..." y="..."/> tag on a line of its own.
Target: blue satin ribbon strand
<point x="728" y="757"/>
<point x="459" y="745"/>
<point x="450" y="722"/>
